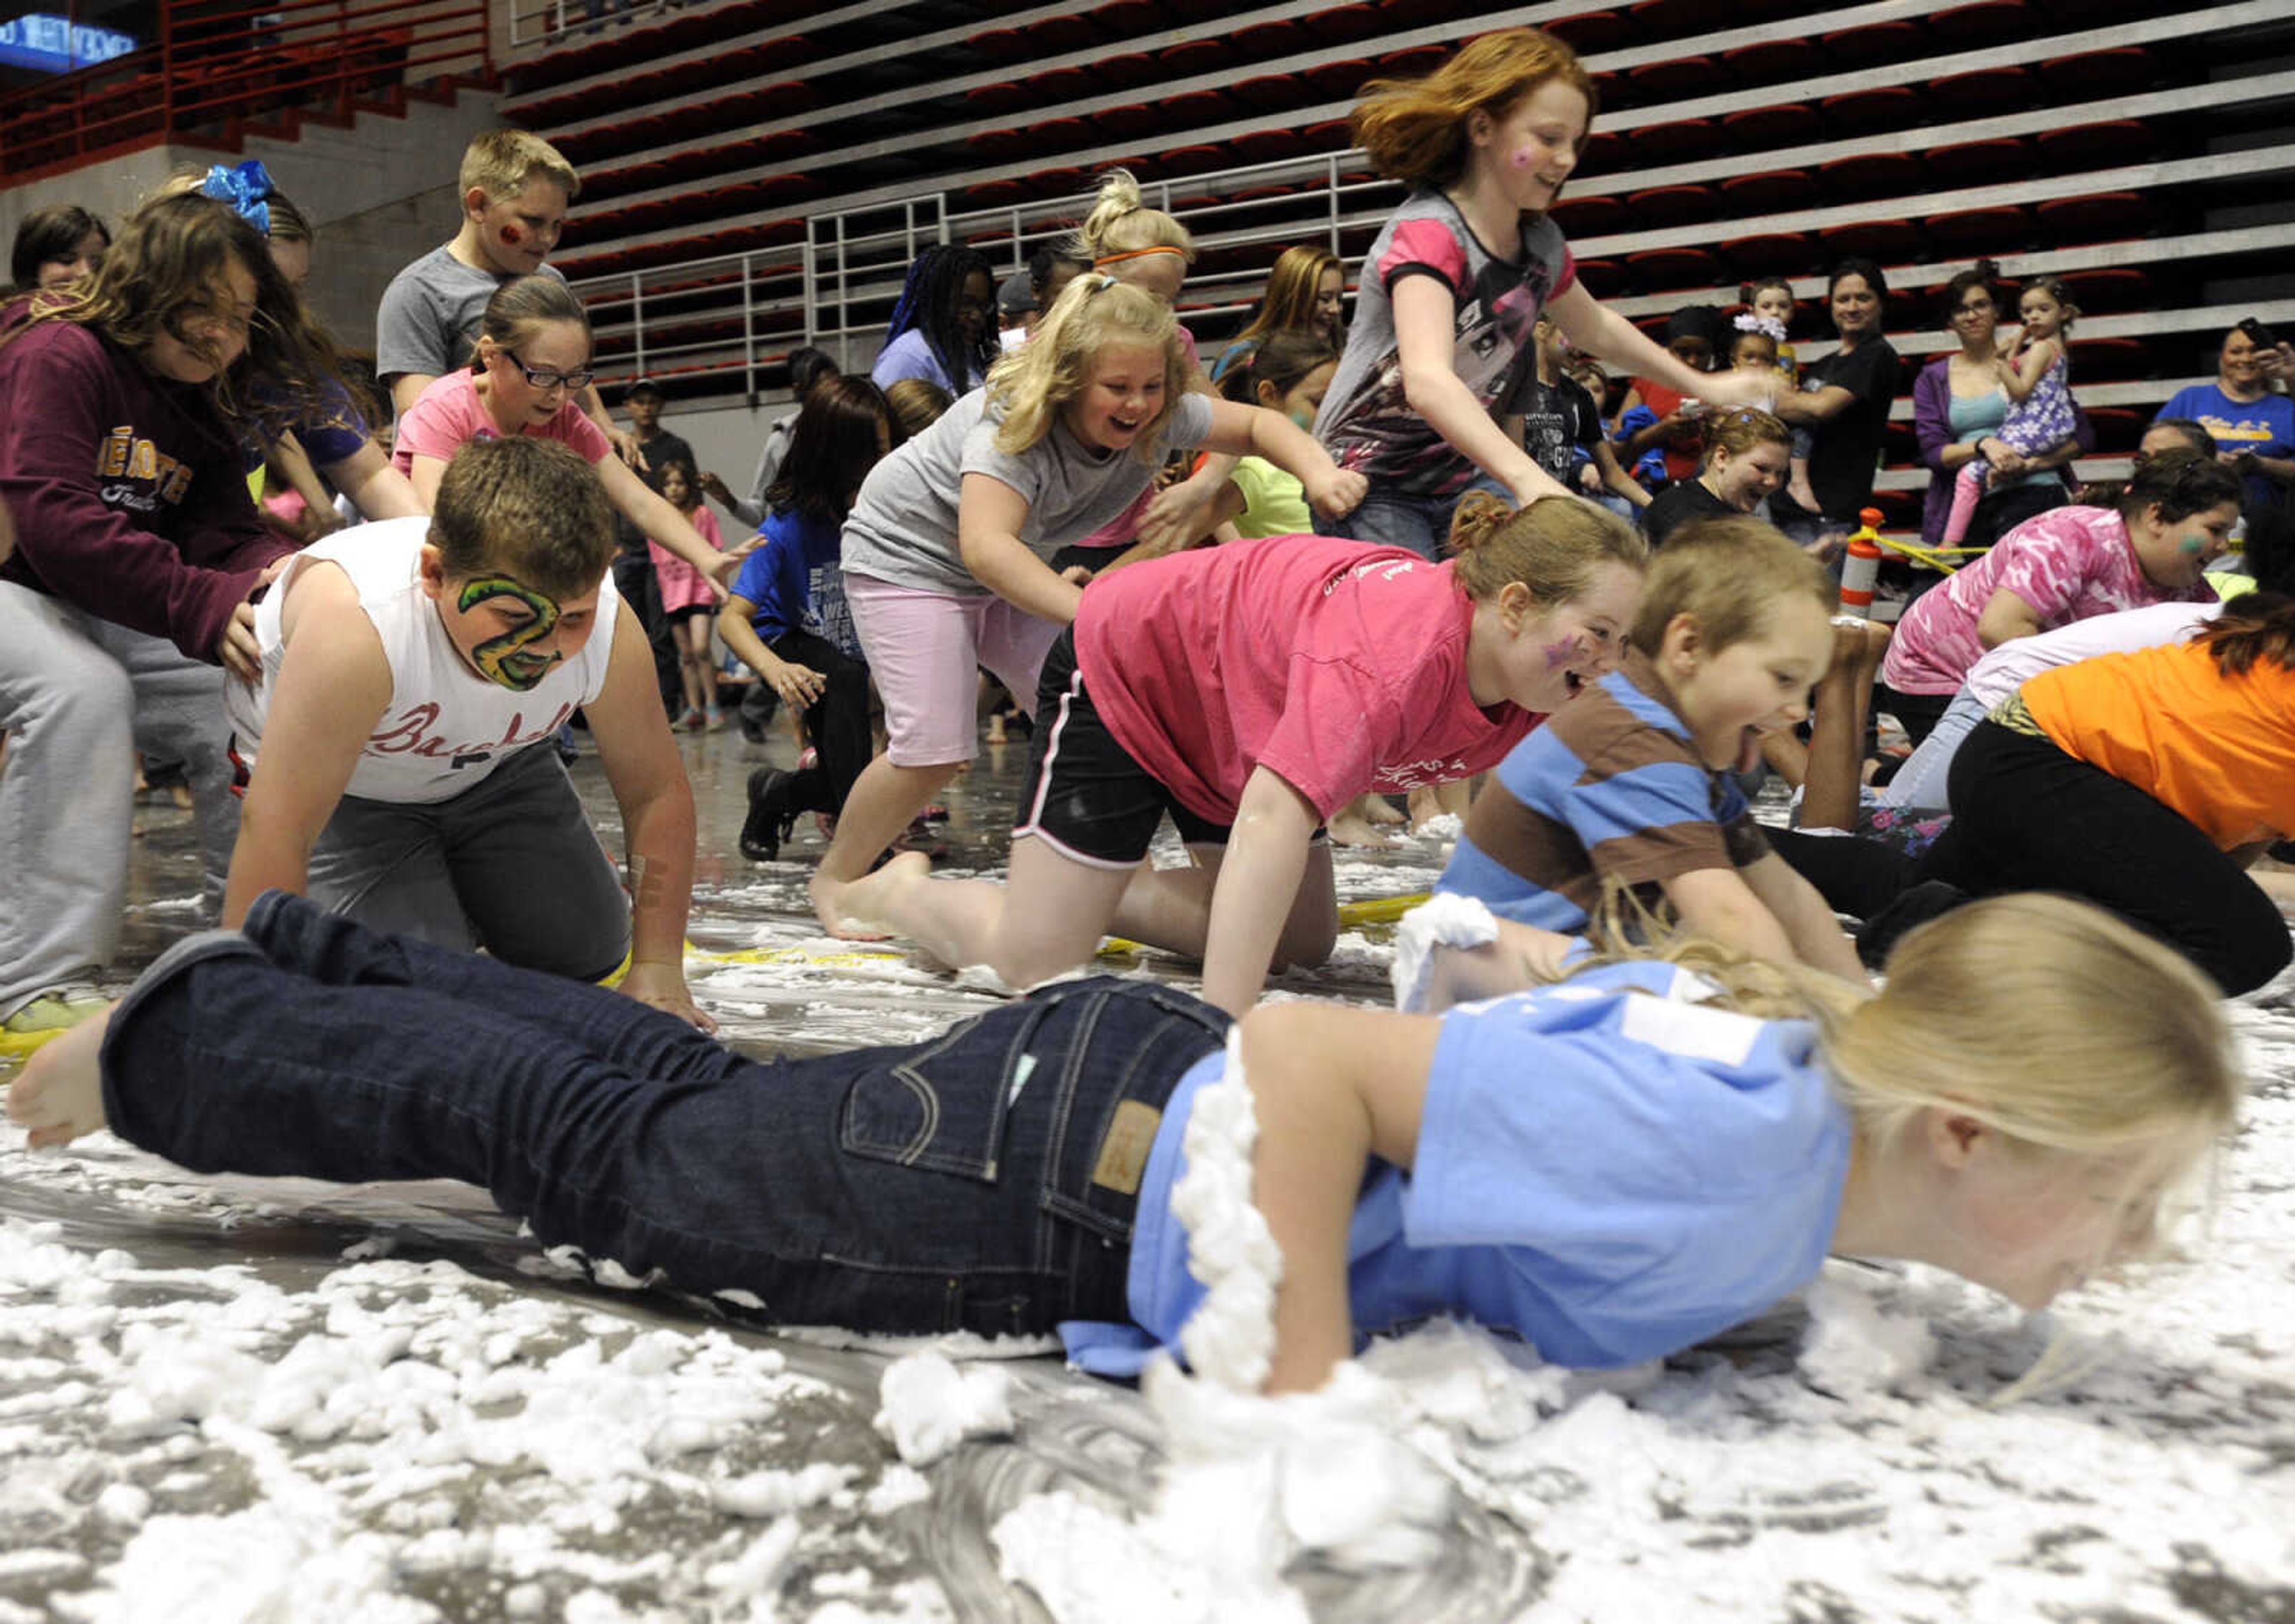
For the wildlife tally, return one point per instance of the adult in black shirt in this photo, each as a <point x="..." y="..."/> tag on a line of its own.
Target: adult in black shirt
<point x="1843" y="403"/>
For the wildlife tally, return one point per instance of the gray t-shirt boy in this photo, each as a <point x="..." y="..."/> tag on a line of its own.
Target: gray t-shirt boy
<point x="903" y="529"/>
<point x="429" y="320"/>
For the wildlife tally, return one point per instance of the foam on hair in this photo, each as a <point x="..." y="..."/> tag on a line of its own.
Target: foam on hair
<point x="1554" y="546"/>
<point x="1030" y="384"/>
<point x="1726" y="574"/>
<point x="529" y="508"/>
<point x="1414" y="130"/>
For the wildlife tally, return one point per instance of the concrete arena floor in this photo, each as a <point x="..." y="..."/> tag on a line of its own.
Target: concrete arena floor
<point x="227" y="1399"/>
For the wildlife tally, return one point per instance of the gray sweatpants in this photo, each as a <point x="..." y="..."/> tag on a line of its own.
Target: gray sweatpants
<point x="511" y="864"/>
<point x="78" y="697"/>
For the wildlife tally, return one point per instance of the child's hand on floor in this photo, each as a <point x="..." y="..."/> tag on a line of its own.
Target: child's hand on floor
<point x="663" y="986"/>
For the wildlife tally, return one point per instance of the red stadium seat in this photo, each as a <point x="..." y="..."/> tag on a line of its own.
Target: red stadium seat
<point x="2096" y="146"/>
<point x="1670" y="270"/>
<point x="1251" y="48"/>
<point x="1784" y="124"/>
<point x="1771" y="191"/>
<point x="1869" y="175"/>
<point x="1270" y="92"/>
<point x="2118" y="429"/>
<point x="1883" y="240"/>
<point x="1343" y="25"/>
<point x="1867" y="112"/>
<point x="1986" y="90"/>
<point x="1192" y="58"/>
<point x="1126" y="70"/>
<point x="1976" y="163"/>
<point x="1126" y="19"/>
<point x="1660" y="207"/>
<point x="1604" y="278"/>
<point x="2000" y="228"/>
<point x="1654" y="83"/>
<point x="2098" y="216"/>
<point x="1590" y="33"/>
<point x="2091" y="75"/>
<point x="1987" y="22"/>
<point x="1769" y="62"/>
<point x="1583" y="218"/>
<point x="1770" y="253"/>
<point x="1270" y="145"/>
<point x="1875" y="43"/>
<point x="2109" y="359"/>
<point x="1682" y="140"/>
<point x="2114" y="288"/>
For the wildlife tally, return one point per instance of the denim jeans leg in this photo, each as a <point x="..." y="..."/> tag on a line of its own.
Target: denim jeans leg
<point x="1394" y="519"/>
<point x="333" y="950"/>
<point x="958" y="1184"/>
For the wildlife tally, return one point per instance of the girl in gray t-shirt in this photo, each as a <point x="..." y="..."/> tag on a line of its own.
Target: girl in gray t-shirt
<point x="947" y="554"/>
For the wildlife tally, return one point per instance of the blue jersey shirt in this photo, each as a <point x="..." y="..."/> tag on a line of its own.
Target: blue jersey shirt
<point x="1610" y="790"/>
<point x="1605" y="1168"/>
<point x="776" y="577"/>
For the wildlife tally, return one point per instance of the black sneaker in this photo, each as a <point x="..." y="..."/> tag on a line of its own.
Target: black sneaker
<point x="1929" y="900"/>
<point x="770" y="815"/>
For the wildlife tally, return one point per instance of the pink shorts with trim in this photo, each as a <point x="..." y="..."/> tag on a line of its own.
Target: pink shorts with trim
<point x="923" y="647"/>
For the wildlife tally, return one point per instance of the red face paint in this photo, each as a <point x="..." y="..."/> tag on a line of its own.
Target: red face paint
<point x="512" y="237"/>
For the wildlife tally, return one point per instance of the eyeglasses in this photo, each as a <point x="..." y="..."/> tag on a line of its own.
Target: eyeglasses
<point x="544" y="378"/>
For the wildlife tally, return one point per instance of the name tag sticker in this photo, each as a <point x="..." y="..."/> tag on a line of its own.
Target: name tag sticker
<point x="1123" y="1152"/>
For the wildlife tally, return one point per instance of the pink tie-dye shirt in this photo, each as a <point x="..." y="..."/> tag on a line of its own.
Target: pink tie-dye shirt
<point x="2069" y="564"/>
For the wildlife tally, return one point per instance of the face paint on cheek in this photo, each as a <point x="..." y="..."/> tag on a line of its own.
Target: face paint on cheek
<point x="501" y="659"/>
<point x="1523" y="158"/>
<point x="512" y="237"/>
<point x="1562" y="653"/>
<point x="2194" y="545"/>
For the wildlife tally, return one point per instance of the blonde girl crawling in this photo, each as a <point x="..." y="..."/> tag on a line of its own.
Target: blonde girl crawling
<point x="2011" y="1107"/>
<point x="946" y="551"/>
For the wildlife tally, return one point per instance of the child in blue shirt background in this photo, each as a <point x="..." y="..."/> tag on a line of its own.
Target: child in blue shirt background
<point x="768" y="621"/>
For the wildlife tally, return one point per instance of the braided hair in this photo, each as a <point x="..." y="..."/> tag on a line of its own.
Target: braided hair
<point x="928" y="302"/>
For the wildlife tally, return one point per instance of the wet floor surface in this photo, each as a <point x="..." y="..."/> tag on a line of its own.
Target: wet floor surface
<point x="227" y="1399"/>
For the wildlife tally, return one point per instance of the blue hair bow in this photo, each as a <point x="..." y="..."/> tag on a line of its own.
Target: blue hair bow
<point x="244" y="188"/>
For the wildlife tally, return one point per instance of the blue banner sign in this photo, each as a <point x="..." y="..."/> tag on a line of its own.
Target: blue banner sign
<point x="49" y="44"/>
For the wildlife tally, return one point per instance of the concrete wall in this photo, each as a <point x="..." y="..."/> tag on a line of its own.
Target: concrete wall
<point x="726" y="439"/>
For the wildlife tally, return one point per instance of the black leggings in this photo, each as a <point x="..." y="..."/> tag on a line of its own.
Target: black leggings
<point x="2029" y="817"/>
<point x="838" y="722"/>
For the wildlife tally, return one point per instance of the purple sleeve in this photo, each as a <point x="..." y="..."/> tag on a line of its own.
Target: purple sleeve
<point x="1932" y="414"/>
<point x="94" y="556"/>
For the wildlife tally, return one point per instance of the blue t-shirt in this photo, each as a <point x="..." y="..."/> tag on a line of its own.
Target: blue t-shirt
<point x="910" y="355"/>
<point x="1610" y="789"/>
<point x="2265" y="427"/>
<point x="776" y="577"/>
<point x="1604" y="1167"/>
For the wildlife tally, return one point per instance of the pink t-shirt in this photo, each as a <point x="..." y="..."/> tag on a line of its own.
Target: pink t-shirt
<point x="682" y="586"/>
<point x="2069" y="564"/>
<point x="450" y="415"/>
<point x="1341" y="666"/>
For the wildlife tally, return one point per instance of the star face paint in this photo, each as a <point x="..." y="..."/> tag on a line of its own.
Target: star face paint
<point x="503" y="659"/>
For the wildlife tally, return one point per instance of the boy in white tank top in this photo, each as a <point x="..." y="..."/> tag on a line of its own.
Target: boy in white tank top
<point x="397" y="758"/>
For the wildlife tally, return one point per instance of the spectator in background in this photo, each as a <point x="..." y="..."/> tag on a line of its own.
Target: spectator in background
<point x="1303" y="293"/>
<point x="1050" y="269"/>
<point x="1958" y="405"/>
<point x="2253" y="425"/>
<point x="635" y="577"/>
<point x="55" y="246"/>
<point x="807" y="366"/>
<point x="944" y="326"/>
<point x="1562" y="428"/>
<point x="916" y="403"/>
<point x="1843" y="401"/>
<point x="1748" y="457"/>
<point x="1656" y="416"/>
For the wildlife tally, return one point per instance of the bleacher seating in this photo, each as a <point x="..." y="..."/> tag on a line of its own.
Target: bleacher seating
<point x="1755" y="136"/>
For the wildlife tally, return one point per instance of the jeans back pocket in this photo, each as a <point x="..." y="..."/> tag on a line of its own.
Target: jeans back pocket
<point x="942" y="1105"/>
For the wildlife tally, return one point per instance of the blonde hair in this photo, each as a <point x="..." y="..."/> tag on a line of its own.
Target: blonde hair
<point x="527" y="507"/>
<point x="1121" y="223"/>
<point x="523" y="305"/>
<point x="2045" y="1019"/>
<point x="1553" y="546"/>
<point x="1028" y="386"/>
<point x="1726" y="574"/>
<point x="501" y="162"/>
<point x="1414" y="130"/>
<point x="1739" y="432"/>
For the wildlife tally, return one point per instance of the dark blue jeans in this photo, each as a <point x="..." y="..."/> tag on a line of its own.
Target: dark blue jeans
<point x="984" y="1181"/>
<point x="1389" y="517"/>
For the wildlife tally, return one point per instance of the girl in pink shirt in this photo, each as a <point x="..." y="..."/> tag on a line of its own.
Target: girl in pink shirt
<point x="2066" y="565"/>
<point x="524" y="377"/>
<point x="686" y="600"/>
<point x="1252" y="691"/>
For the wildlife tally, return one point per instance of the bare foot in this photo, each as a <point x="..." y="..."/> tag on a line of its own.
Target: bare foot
<point x="60" y="1095"/>
<point x="1378" y="809"/>
<point x="1347" y="828"/>
<point x="873" y="897"/>
<point x="828" y="897"/>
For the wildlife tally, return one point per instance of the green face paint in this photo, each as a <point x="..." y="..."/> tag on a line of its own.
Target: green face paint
<point x="502" y="659"/>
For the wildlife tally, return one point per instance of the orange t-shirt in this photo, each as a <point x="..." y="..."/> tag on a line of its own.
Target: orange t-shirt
<point x="2218" y="749"/>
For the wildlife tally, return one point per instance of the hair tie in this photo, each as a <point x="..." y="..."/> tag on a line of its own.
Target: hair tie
<point x="244" y="188"/>
<point x="1753" y="321"/>
<point x="1109" y="259"/>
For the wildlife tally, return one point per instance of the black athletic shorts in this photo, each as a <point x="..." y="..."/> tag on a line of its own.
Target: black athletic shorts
<point x="1085" y="793"/>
